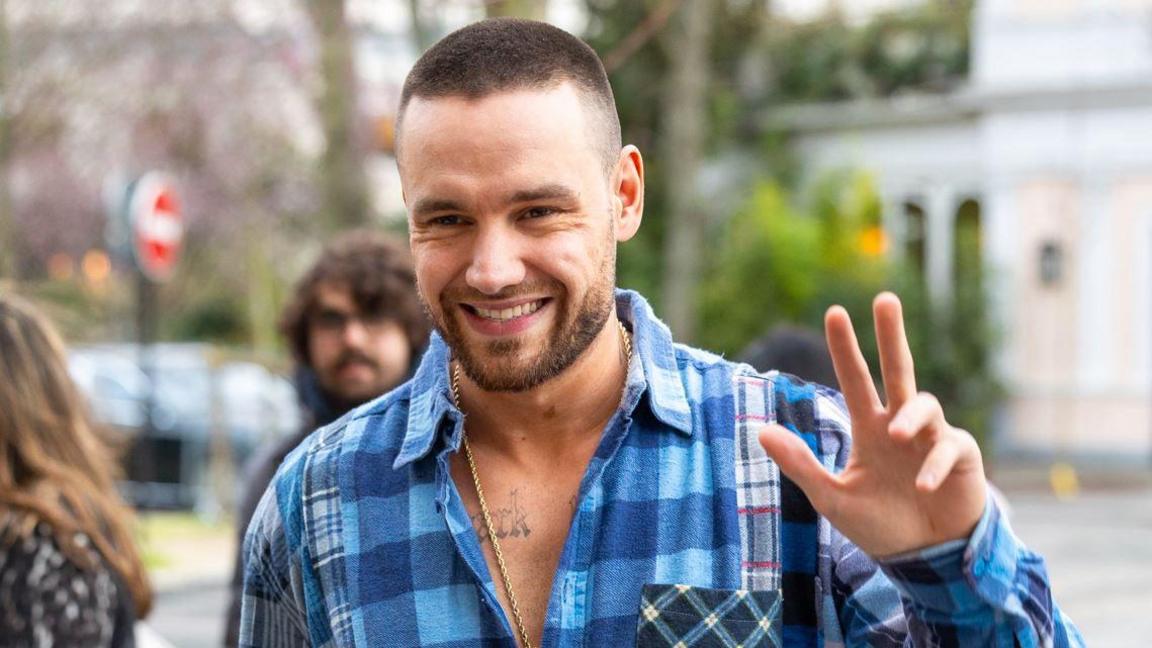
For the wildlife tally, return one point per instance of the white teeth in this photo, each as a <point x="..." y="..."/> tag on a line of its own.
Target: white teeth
<point x="506" y="314"/>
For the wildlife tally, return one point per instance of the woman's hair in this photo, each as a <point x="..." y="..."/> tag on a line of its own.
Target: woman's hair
<point x="55" y="468"/>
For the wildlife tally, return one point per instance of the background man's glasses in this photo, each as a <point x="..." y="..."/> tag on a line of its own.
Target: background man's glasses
<point x="335" y="321"/>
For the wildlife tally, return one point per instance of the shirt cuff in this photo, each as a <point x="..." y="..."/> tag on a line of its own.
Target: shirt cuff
<point x="960" y="577"/>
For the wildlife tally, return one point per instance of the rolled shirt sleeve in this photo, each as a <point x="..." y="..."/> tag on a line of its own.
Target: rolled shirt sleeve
<point x="987" y="591"/>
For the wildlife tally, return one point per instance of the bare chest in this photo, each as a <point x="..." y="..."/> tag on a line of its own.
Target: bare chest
<point x="530" y="517"/>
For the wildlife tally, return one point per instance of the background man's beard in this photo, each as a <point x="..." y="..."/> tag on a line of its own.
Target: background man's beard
<point x="494" y="367"/>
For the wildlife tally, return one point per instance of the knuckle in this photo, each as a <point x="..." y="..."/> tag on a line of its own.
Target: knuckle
<point x="963" y="439"/>
<point x="930" y="403"/>
<point x="970" y="441"/>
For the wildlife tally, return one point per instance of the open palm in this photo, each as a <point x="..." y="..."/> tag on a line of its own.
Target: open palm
<point x="912" y="480"/>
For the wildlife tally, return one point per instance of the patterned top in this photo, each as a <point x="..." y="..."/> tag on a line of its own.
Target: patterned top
<point x="47" y="600"/>
<point x="684" y="532"/>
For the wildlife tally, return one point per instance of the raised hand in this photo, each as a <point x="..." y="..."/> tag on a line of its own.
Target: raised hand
<point x="912" y="480"/>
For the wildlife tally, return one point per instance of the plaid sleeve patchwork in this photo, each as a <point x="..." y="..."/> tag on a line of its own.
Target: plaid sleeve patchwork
<point x="988" y="591"/>
<point x="272" y="614"/>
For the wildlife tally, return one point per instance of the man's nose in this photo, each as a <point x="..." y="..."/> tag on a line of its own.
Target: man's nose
<point x="496" y="263"/>
<point x="355" y="332"/>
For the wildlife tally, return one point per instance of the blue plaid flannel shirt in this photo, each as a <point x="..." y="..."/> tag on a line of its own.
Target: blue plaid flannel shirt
<point x="685" y="531"/>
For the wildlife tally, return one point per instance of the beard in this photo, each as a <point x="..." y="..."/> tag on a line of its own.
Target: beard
<point x="506" y="365"/>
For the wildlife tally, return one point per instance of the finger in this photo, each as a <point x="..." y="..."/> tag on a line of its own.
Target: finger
<point x="895" y="356"/>
<point x="799" y="463"/>
<point x="951" y="452"/>
<point x="922" y="412"/>
<point x="938" y="464"/>
<point x="851" y="369"/>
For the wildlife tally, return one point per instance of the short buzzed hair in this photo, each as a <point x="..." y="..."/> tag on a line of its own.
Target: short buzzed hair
<point x="505" y="54"/>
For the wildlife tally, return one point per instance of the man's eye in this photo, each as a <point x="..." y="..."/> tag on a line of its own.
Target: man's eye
<point x="445" y="220"/>
<point x="329" y="320"/>
<point x="539" y="212"/>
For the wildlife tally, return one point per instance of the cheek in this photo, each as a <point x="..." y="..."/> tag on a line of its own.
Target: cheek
<point x="320" y="350"/>
<point x="578" y="261"/>
<point x="392" y="349"/>
<point x="433" y="273"/>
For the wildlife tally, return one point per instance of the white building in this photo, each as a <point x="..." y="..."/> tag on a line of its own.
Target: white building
<point x="1049" y="146"/>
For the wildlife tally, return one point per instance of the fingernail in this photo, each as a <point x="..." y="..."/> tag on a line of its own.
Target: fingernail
<point x="927" y="480"/>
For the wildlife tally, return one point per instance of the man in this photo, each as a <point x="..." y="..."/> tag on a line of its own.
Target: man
<point x="356" y="330"/>
<point x="558" y="472"/>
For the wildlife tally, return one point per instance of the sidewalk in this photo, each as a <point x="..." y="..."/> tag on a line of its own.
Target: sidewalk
<point x="182" y="551"/>
<point x="1095" y="545"/>
<point x="190" y="563"/>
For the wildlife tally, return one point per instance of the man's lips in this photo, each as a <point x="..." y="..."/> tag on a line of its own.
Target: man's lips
<point x="506" y="310"/>
<point x="504" y="318"/>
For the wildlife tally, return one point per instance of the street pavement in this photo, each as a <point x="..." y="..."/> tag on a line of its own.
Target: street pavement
<point x="1098" y="547"/>
<point x="1099" y="553"/>
<point x="192" y="616"/>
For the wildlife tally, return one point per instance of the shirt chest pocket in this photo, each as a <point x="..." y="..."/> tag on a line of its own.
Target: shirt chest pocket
<point x="683" y="616"/>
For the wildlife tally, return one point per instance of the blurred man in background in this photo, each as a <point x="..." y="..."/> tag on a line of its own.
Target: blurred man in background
<point x="356" y="330"/>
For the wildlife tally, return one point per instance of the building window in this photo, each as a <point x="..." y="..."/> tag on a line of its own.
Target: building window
<point x="1051" y="264"/>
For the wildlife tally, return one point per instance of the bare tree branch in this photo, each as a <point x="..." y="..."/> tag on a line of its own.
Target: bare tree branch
<point x="644" y="32"/>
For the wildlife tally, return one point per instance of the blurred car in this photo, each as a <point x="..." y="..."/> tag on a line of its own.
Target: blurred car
<point x="176" y="407"/>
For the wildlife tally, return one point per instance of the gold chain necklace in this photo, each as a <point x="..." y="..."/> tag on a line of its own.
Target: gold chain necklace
<point x="626" y="340"/>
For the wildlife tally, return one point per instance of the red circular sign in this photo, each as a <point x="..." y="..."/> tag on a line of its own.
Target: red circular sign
<point x="157" y="226"/>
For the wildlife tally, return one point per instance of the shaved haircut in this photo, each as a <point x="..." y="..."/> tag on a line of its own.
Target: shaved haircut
<point x="509" y="54"/>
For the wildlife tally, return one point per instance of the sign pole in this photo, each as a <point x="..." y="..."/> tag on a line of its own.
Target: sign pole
<point x="145" y="336"/>
<point x="156" y="232"/>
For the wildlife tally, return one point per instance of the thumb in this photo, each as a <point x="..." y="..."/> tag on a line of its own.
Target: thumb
<point x="798" y="462"/>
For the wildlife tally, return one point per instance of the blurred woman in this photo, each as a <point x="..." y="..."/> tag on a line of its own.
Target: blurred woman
<point x="70" y="573"/>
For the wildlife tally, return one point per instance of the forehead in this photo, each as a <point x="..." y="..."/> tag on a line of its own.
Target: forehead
<point x="538" y="131"/>
<point x="333" y="295"/>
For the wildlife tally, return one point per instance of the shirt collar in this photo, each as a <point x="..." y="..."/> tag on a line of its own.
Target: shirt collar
<point x="430" y="401"/>
<point x="653" y="370"/>
<point x="657" y="370"/>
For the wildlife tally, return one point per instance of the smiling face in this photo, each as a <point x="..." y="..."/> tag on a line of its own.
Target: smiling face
<point x="514" y="224"/>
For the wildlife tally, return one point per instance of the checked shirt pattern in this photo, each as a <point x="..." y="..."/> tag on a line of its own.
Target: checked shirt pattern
<point x="682" y="616"/>
<point x="362" y="539"/>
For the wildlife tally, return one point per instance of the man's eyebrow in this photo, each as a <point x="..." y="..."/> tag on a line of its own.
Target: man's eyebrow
<point x="544" y="192"/>
<point x="430" y="205"/>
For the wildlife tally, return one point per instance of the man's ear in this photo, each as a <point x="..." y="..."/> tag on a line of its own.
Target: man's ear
<point x="628" y="192"/>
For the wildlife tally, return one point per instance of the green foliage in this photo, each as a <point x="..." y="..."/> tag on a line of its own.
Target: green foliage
<point x="79" y="312"/>
<point x="216" y="318"/>
<point x="776" y="263"/>
<point x="764" y="271"/>
<point x="832" y="59"/>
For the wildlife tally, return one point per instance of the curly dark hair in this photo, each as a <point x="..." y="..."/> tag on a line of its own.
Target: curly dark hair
<point x="377" y="270"/>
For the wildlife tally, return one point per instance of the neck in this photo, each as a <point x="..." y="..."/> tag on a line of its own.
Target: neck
<point x="564" y="412"/>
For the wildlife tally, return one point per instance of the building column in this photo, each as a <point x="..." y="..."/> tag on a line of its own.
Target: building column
<point x="940" y="225"/>
<point x="1090" y="256"/>
<point x="1000" y="234"/>
<point x="894" y="218"/>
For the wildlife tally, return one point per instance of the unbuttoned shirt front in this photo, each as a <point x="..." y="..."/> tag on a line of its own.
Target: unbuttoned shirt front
<point x="685" y="533"/>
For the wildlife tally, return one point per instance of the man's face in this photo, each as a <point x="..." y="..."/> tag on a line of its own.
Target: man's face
<point x="513" y="229"/>
<point x="356" y="356"/>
